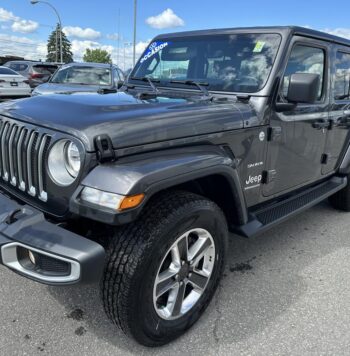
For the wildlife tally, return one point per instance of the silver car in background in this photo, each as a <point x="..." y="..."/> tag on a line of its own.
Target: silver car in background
<point x="82" y="77"/>
<point x="36" y="72"/>
<point x="12" y="84"/>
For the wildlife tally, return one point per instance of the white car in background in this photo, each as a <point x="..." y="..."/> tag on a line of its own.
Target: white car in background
<point x="12" y="84"/>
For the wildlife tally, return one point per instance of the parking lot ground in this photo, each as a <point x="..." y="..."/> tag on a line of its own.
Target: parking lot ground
<point x="286" y="292"/>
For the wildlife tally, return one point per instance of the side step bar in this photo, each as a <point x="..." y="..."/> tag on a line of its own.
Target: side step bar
<point x="266" y="217"/>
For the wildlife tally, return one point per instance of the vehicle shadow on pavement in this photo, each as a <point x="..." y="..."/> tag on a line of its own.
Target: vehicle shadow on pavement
<point x="262" y="280"/>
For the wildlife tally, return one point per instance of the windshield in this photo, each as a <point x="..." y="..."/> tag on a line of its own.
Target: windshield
<point x="237" y="62"/>
<point x="83" y="75"/>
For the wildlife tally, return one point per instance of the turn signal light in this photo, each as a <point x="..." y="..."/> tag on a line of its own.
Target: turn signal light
<point x="131" y="202"/>
<point x="111" y="200"/>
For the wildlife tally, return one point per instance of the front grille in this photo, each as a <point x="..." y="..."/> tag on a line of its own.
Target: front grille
<point x="23" y="156"/>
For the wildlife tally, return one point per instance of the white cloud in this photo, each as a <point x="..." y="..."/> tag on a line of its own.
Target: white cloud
<point x="24" y="26"/>
<point x="18" y="24"/>
<point x="7" y="15"/>
<point x="123" y="58"/>
<point x="22" y="47"/>
<point x="83" y="33"/>
<point x="79" y="48"/>
<point x="166" y="19"/>
<point x="342" y="32"/>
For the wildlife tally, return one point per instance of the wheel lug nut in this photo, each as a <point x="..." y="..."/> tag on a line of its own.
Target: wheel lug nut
<point x="189" y="275"/>
<point x="183" y="262"/>
<point x="177" y="277"/>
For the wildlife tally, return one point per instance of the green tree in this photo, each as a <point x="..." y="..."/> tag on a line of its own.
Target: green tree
<point x="97" y="55"/>
<point x="53" y="52"/>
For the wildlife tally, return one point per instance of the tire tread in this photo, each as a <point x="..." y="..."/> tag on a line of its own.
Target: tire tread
<point x="127" y="248"/>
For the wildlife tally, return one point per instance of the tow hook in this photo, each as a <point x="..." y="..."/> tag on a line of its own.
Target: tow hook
<point x="12" y="216"/>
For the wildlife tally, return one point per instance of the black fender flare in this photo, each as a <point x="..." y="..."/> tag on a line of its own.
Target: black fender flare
<point x="153" y="172"/>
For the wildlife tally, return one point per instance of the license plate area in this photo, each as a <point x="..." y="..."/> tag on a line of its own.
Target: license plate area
<point x="14" y="84"/>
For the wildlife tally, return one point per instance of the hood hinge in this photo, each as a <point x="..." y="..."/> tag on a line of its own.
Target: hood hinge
<point x="104" y="148"/>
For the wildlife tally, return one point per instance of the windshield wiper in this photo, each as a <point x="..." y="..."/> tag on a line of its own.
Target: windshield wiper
<point x="150" y="82"/>
<point x="200" y="86"/>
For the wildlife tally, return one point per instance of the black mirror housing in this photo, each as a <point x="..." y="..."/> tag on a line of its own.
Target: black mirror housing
<point x="303" y="88"/>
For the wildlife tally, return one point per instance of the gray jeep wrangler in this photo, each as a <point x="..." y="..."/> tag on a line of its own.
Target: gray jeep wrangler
<point x="214" y="131"/>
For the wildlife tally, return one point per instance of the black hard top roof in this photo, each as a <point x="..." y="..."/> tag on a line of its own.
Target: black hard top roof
<point x="283" y="30"/>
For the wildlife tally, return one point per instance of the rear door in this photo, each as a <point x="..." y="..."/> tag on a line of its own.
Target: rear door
<point x="338" y="132"/>
<point x="296" y="143"/>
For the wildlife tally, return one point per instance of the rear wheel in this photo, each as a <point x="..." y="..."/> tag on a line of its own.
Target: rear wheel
<point x="162" y="270"/>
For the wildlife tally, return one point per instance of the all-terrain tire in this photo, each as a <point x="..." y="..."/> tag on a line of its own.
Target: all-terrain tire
<point x="135" y="254"/>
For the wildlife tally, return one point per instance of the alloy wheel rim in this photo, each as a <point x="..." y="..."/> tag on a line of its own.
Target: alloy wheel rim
<point x="183" y="274"/>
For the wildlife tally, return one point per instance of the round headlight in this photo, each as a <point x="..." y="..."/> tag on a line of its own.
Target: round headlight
<point x="64" y="162"/>
<point x="73" y="159"/>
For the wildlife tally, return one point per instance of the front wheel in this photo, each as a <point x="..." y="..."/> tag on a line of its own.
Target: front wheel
<point x="162" y="270"/>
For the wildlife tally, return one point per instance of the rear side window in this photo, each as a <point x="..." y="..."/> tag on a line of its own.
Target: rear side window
<point x="7" y="71"/>
<point x="342" y="77"/>
<point x="44" y="69"/>
<point x="18" y="67"/>
<point x="305" y="59"/>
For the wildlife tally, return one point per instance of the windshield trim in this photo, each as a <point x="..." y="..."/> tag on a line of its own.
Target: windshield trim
<point x="193" y="35"/>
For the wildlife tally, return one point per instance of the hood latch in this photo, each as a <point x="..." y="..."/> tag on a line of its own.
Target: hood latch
<point x="104" y="148"/>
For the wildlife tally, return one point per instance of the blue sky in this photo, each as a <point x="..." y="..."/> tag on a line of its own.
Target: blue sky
<point x="24" y="28"/>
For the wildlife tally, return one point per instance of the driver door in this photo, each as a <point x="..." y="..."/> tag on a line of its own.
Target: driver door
<point x="297" y="137"/>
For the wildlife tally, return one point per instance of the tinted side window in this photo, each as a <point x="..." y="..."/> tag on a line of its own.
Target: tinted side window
<point x="18" y="67"/>
<point x="305" y="59"/>
<point x="342" y="76"/>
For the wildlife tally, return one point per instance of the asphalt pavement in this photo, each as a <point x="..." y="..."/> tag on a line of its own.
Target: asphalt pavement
<point x="286" y="292"/>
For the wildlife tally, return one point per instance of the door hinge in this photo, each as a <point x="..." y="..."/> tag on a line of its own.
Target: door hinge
<point x="324" y="158"/>
<point x="274" y="133"/>
<point x="269" y="176"/>
<point x="104" y="148"/>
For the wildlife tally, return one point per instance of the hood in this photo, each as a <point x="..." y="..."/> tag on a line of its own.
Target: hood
<point x="53" y="88"/>
<point x="127" y="120"/>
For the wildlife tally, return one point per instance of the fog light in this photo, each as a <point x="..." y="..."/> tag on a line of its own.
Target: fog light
<point x="32" y="257"/>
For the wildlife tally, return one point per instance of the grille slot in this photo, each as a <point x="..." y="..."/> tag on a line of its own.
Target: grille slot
<point x="23" y="154"/>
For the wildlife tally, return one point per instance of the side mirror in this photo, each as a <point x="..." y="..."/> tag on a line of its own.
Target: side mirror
<point x="120" y="83"/>
<point x="303" y="88"/>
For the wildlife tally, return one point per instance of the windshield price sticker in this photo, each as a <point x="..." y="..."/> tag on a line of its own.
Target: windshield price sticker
<point x="259" y="47"/>
<point x="154" y="48"/>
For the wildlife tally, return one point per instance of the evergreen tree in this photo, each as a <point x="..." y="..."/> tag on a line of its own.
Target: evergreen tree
<point x="52" y="49"/>
<point x="97" y="55"/>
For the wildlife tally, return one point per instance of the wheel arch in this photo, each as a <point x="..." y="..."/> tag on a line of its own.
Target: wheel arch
<point x="206" y="170"/>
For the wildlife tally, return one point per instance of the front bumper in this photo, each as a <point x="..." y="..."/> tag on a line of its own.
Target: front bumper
<point x="62" y="257"/>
